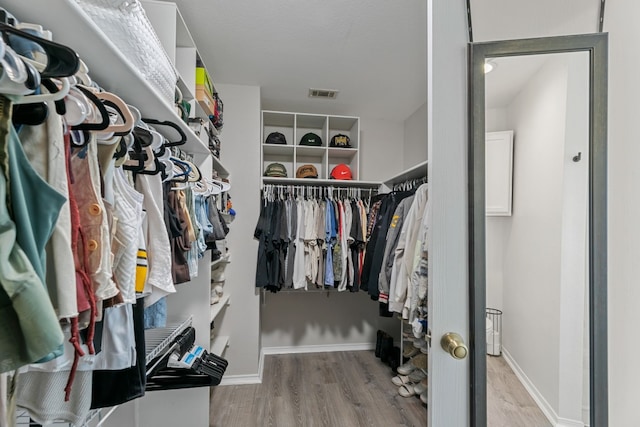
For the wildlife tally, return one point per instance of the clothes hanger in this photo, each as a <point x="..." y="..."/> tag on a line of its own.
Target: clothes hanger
<point x="16" y="77"/>
<point x="62" y="61"/>
<point x="183" y="136"/>
<point x="44" y="97"/>
<point x="96" y="104"/>
<point x="128" y="121"/>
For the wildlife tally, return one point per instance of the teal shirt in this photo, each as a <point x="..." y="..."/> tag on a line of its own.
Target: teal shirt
<point x="30" y="329"/>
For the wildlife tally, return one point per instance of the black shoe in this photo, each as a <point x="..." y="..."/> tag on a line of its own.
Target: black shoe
<point x="378" y="342"/>
<point x="393" y="359"/>
<point x="386" y="348"/>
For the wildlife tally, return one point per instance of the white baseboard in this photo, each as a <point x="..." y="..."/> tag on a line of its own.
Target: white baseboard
<point x="245" y="379"/>
<point x="240" y="380"/>
<point x="319" y="348"/>
<point x="563" y="422"/>
<point x="257" y="379"/>
<point x="542" y="403"/>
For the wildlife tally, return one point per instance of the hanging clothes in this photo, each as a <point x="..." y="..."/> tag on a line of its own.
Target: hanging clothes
<point x="309" y="241"/>
<point x="376" y="244"/>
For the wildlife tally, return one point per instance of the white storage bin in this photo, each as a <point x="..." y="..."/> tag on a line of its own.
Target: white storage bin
<point x="494" y="332"/>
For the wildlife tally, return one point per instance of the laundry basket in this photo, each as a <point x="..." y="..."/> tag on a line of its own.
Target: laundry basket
<point x="494" y="332"/>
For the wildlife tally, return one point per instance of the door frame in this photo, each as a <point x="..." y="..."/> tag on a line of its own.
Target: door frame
<point x="597" y="47"/>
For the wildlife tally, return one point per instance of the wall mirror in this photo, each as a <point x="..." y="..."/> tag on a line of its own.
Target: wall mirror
<point x="537" y="218"/>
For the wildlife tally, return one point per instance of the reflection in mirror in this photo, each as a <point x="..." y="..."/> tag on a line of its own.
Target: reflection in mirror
<point x="536" y="195"/>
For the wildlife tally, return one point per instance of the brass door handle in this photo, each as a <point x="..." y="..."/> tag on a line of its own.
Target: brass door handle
<point x="453" y="344"/>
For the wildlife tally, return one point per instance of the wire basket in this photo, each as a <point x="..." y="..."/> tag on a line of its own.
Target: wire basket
<point x="126" y="24"/>
<point x="494" y="331"/>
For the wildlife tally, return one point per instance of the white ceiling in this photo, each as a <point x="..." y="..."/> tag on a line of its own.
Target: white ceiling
<point x="372" y="51"/>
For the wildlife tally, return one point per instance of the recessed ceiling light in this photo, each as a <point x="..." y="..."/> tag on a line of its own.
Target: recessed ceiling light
<point x="489" y="66"/>
<point x="323" y="93"/>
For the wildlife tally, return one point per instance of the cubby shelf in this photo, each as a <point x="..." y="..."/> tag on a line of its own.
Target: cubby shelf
<point x="293" y="154"/>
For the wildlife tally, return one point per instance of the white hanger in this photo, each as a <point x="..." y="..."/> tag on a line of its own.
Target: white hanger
<point x="55" y="96"/>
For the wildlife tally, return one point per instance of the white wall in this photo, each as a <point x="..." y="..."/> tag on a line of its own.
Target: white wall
<point x="240" y="154"/>
<point x="621" y="21"/>
<point x="496" y="227"/>
<point x="496" y="119"/>
<point x="532" y="256"/>
<point x="321" y="319"/>
<point x="381" y="148"/>
<point x="415" y="138"/>
<point x="573" y="264"/>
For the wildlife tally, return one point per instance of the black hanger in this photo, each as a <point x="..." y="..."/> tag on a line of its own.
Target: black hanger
<point x="183" y="137"/>
<point x="61" y="108"/>
<point x="101" y="108"/>
<point x="29" y="114"/>
<point x="143" y="135"/>
<point x="62" y="61"/>
<point x="137" y="154"/>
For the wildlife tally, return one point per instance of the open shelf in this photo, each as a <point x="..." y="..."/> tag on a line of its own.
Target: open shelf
<point x="416" y="172"/>
<point x="219" y="306"/>
<point x="158" y="340"/>
<point x="219" y="344"/>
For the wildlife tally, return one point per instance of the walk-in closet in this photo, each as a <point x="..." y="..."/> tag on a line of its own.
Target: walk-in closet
<point x="274" y="213"/>
<point x="223" y="235"/>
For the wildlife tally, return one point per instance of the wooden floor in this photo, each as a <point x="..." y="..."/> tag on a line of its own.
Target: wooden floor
<point x="341" y="389"/>
<point x="508" y="402"/>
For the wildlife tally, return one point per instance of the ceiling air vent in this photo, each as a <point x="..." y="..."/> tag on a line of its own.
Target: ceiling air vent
<point x="323" y="93"/>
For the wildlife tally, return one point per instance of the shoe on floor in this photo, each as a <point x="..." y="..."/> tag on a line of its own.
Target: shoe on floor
<point x="406" y="390"/>
<point x="421" y="387"/>
<point x="406" y="368"/>
<point x="415" y="377"/>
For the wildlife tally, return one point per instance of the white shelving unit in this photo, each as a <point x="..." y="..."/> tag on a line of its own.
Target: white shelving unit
<point x="292" y="155"/>
<point x="183" y="54"/>
<point x="113" y="71"/>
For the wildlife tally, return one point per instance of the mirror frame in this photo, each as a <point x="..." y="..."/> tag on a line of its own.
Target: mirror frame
<point x="597" y="47"/>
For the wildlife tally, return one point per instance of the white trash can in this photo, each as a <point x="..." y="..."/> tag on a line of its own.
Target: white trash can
<point x="494" y="331"/>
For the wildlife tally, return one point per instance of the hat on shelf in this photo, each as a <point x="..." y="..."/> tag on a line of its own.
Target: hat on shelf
<point x="341" y="172"/>
<point x="307" y="171"/>
<point x="276" y="170"/>
<point x="276" y="138"/>
<point x="340" y="141"/>
<point x="311" y="139"/>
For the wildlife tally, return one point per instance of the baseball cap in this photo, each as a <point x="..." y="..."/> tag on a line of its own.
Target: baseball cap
<point x="340" y="140"/>
<point x="311" y="139"/>
<point x="276" y="170"/>
<point x="342" y="172"/>
<point x="307" y="171"/>
<point x="276" y="138"/>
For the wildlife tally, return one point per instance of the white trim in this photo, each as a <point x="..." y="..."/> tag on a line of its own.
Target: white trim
<point x="323" y="348"/>
<point x="542" y="403"/>
<point x="586" y="415"/>
<point x="241" y="379"/>
<point x="563" y="422"/>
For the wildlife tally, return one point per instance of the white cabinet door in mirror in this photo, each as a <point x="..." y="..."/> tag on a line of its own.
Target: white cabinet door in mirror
<point x="499" y="173"/>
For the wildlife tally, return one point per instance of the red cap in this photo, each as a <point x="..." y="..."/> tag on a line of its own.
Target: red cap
<point x="342" y="172"/>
